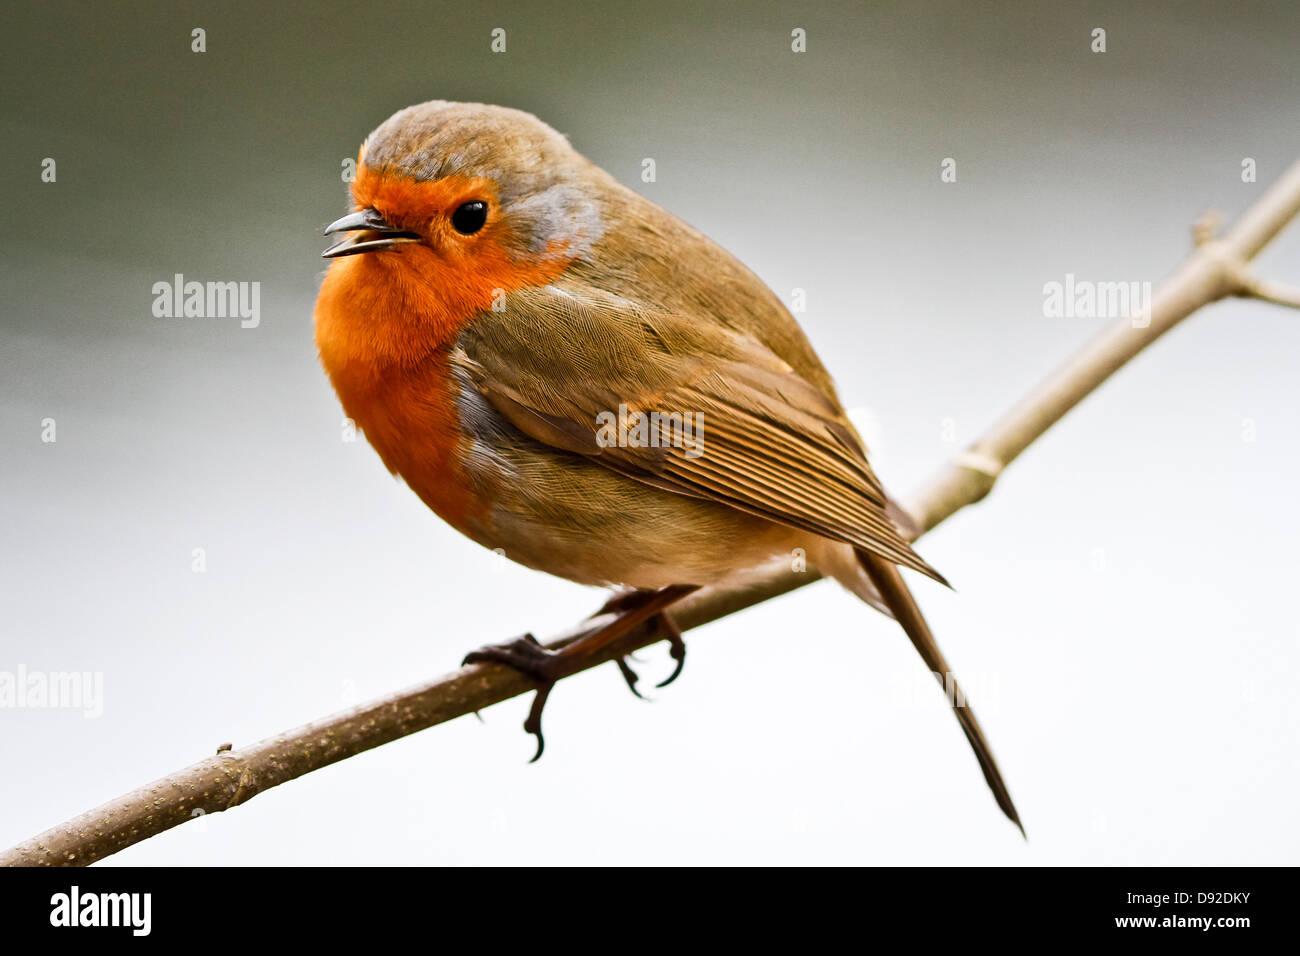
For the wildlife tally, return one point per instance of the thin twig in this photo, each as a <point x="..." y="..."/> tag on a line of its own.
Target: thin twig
<point x="1215" y="269"/>
<point x="1277" y="293"/>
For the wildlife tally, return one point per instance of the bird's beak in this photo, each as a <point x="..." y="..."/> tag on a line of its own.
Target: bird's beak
<point x="370" y="233"/>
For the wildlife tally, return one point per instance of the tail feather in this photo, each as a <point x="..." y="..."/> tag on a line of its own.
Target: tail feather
<point x="891" y="587"/>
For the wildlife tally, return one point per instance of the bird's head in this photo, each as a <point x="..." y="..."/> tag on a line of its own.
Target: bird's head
<point x="455" y="205"/>
<point x="473" y="198"/>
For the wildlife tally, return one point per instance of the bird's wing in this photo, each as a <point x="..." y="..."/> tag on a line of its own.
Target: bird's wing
<point x="748" y="431"/>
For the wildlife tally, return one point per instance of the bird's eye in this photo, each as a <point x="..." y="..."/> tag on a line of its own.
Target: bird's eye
<point x="469" y="218"/>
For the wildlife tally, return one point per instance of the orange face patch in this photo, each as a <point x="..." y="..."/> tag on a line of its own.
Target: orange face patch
<point x="396" y="305"/>
<point x="424" y="207"/>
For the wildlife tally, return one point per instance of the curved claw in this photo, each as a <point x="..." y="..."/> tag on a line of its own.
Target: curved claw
<point x="676" y="650"/>
<point x="677" y="671"/>
<point x="630" y="676"/>
<point x="533" y="725"/>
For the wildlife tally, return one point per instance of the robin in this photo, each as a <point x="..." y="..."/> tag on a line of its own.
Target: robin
<point x="568" y="373"/>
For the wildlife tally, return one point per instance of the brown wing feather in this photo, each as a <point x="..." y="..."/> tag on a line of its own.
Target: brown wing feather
<point x="773" y="445"/>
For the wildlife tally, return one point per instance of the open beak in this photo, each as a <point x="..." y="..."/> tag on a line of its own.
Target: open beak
<point x="370" y="233"/>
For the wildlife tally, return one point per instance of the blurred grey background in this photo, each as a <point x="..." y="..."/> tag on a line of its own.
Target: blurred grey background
<point x="1124" y="615"/>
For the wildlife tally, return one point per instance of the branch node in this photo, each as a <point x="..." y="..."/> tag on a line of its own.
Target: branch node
<point x="1235" y="268"/>
<point x="983" y="467"/>
<point x="980" y="461"/>
<point x="244" y="789"/>
<point x="1233" y="271"/>
<point x="1206" y="227"/>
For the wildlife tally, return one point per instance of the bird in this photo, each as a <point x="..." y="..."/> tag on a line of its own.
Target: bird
<point x="571" y="375"/>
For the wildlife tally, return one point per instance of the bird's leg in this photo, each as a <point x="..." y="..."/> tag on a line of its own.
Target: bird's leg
<point x="629" y="598"/>
<point x="619" y="601"/>
<point x="546" y="666"/>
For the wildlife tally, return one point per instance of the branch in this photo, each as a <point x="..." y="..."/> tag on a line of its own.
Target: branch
<point x="1216" y="268"/>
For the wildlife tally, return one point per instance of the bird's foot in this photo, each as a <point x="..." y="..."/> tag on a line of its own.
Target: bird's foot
<point x="526" y="655"/>
<point x="676" y="650"/>
<point x="622" y="602"/>
<point x="545" y="666"/>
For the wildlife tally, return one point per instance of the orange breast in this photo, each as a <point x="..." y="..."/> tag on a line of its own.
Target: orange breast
<point x="411" y="420"/>
<point x="395" y="386"/>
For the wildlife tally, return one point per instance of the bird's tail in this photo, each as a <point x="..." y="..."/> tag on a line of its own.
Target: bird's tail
<point x="892" y="590"/>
